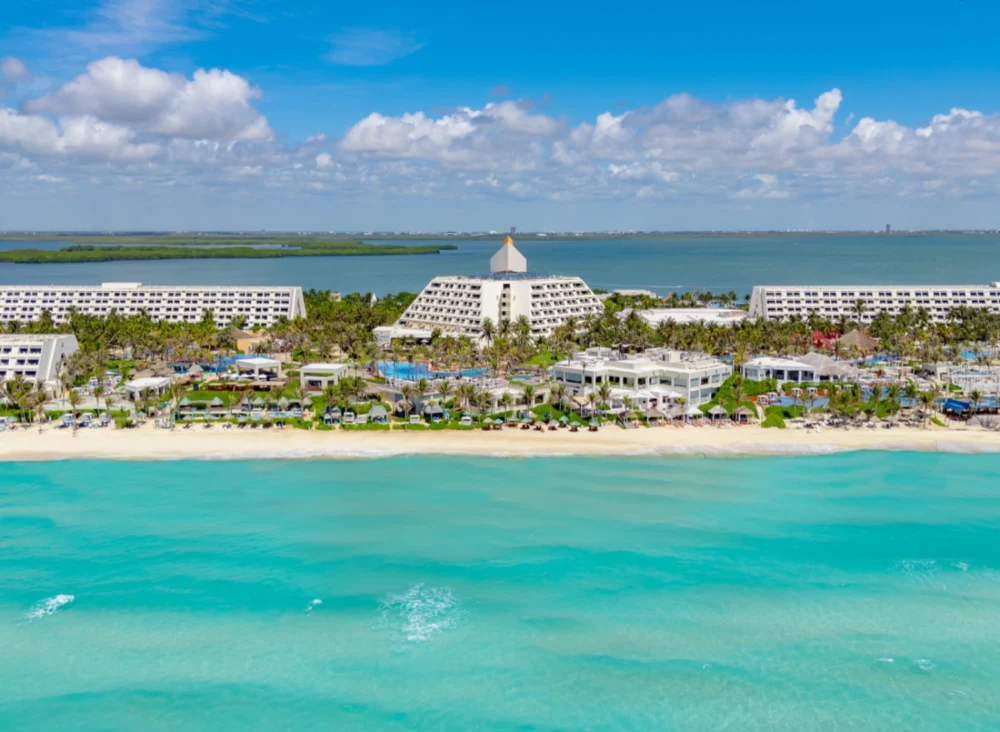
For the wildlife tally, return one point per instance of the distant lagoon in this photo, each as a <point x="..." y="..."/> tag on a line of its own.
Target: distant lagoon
<point x="670" y="264"/>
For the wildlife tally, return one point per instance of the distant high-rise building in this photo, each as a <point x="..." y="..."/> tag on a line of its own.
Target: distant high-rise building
<point x="888" y="228"/>
<point x="513" y="231"/>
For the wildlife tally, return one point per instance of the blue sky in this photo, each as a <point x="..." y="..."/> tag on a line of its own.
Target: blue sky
<point x="290" y="115"/>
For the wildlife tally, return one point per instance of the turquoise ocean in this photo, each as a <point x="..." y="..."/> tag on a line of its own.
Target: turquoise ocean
<point x="663" y="265"/>
<point x="846" y="591"/>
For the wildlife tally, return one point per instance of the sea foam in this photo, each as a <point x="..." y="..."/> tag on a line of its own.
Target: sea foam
<point x="48" y="606"/>
<point x="420" y="613"/>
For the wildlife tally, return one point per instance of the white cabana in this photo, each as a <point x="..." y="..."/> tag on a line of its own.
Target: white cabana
<point x="693" y="411"/>
<point x="781" y="369"/>
<point x="317" y="376"/>
<point x="157" y="386"/>
<point x="260" y="367"/>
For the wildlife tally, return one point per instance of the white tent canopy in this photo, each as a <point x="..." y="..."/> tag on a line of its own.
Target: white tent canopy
<point x="257" y="365"/>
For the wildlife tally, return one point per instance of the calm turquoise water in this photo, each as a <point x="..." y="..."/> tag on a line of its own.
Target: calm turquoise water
<point x="662" y="265"/>
<point x="854" y="591"/>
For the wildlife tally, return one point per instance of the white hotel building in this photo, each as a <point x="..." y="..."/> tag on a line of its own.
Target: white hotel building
<point x="38" y="359"/>
<point x="458" y="305"/>
<point x="654" y="379"/>
<point x="174" y="304"/>
<point x="778" y="302"/>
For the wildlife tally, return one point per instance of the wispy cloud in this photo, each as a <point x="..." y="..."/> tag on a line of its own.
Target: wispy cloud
<point x="371" y="46"/>
<point x="131" y="27"/>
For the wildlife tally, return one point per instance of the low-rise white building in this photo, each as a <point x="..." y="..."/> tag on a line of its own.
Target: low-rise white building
<point x="779" y="302"/>
<point x="782" y="369"/>
<point x="654" y="379"/>
<point x="259" y="367"/>
<point x="318" y="376"/>
<point x="38" y="359"/>
<point x="154" y="386"/>
<point x="460" y="304"/>
<point x="174" y="304"/>
<point x="683" y="316"/>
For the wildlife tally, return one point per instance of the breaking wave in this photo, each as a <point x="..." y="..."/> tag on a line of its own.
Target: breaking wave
<point x="48" y="606"/>
<point x="420" y="613"/>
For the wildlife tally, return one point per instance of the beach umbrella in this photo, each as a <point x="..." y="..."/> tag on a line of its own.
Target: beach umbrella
<point x="185" y="402"/>
<point x="564" y="419"/>
<point x="526" y="420"/>
<point x="497" y="421"/>
<point x="307" y="402"/>
<point x="216" y="403"/>
<point x="258" y="402"/>
<point x="594" y="423"/>
<point x="283" y="403"/>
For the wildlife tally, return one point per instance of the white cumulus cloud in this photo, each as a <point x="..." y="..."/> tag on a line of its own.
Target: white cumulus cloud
<point x="213" y="105"/>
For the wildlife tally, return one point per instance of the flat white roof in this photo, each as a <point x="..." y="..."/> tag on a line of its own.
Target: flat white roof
<point x="876" y="287"/>
<point x="692" y="315"/>
<point x="33" y="337"/>
<point x="768" y="362"/>
<point x="148" y="382"/>
<point x="322" y="368"/>
<point x="257" y="361"/>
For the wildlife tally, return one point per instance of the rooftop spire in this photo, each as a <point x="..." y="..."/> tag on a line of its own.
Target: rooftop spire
<point x="508" y="259"/>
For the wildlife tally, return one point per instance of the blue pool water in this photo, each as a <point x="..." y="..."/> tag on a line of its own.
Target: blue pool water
<point x="814" y="403"/>
<point x="414" y="371"/>
<point x="850" y="591"/>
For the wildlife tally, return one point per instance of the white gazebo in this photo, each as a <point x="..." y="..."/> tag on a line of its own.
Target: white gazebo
<point x="156" y="385"/>
<point x="261" y="368"/>
<point x="317" y="376"/>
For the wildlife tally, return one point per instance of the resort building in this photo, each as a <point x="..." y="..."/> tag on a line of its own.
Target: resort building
<point x="458" y="305"/>
<point x="174" y="304"/>
<point x="683" y="316"/>
<point x="782" y="369"/>
<point x="38" y="359"/>
<point x="832" y="301"/>
<point x="318" y="376"/>
<point x="153" y="386"/>
<point x="258" y="368"/>
<point x="654" y="379"/>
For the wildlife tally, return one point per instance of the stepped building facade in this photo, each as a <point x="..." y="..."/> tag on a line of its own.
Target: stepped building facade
<point x="36" y="359"/>
<point x="779" y="302"/>
<point x="174" y="304"/>
<point x="459" y="305"/>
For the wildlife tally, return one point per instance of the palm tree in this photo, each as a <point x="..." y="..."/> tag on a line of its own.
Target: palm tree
<point x="98" y="393"/>
<point x="892" y="397"/>
<point x="506" y="399"/>
<point x="74" y="403"/>
<point x="409" y="391"/>
<point x="556" y="395"/>
<point x="444" y="389"/>
<point x="592" y="398"/>
<point x="40" y="412"/>
<point x="482" y="401"/>
<point x="926" y="400"/>
<point x="488" y="331"/>
<point x="911" y="392"/>
<point x="604" y="393"/>
<point x="859" y="308"/>
<point x="529" y="395"/>
<point x="144" y="397"/>
<point x="975" y="396"/>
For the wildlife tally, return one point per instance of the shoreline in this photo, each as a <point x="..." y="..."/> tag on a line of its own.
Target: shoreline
<point x="147" y="443"/>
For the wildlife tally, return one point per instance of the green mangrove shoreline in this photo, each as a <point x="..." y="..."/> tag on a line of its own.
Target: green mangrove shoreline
<point x="136" y="248"/>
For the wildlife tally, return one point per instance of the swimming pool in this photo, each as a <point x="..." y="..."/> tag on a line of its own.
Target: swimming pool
<point x="414" y="371"/>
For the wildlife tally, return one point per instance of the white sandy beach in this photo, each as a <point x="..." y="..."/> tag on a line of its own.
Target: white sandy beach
<point x="197" y="443"/>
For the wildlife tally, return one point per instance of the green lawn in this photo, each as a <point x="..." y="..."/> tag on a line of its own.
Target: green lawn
<point x="544" y="359"/>
<point x="229" y="398"/>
